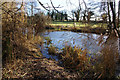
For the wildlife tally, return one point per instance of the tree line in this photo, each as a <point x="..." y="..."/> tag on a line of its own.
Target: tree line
<point x="58" y="17"/>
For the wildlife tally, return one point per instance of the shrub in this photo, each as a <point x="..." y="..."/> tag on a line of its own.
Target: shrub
<point x="18" y="27"/>
<point x="106" y="64"/>
<point x="75" y="58"/>
<point x="52" y="50"/>
<point x="48" y="40"/>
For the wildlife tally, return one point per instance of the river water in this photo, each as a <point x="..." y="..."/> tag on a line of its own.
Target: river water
<point x="60" y="39"/>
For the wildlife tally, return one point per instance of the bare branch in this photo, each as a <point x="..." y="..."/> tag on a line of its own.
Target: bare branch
<point x="14" y="8"/>
<point x="56" y="9"/>
<point x="43" y="6"/>
<point x="8" y="11"/>
<point x="85" y="5"/>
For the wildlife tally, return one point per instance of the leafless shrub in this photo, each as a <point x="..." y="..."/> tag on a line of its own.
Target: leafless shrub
<point x="17" y="30"/>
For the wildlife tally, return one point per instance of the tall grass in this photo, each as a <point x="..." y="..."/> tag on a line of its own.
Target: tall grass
<point x="75" y="58"/>
<point x="51" y="50"/>
<point x="102" y="66"/>
<point x="106" y="63"/>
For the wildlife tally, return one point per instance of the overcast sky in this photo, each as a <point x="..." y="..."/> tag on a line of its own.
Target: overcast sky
<point x="68" y="5"/>
<point x="65" y="4"/>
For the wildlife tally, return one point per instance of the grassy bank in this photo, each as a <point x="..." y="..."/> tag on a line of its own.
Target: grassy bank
<point x="78" y="24"/>
<point x="96" y="30"/>
<point x="91" y="27"/>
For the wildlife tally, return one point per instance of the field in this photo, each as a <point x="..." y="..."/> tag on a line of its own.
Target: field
<point x="79" y="24"/>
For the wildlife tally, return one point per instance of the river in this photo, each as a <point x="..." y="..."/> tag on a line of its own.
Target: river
<point x="60" y="39"/>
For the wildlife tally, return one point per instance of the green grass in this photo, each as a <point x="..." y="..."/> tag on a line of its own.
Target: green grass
<point x="78" y="24"/>
<point x="58" y="23"/>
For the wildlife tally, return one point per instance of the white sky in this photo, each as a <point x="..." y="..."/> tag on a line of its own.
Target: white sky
<point x="66" y="5"/>
<point x="63" y="3"/>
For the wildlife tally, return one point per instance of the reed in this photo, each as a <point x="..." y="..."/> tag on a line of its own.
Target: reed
<point x="52" y="50"/>
<point x="75" y="58"/>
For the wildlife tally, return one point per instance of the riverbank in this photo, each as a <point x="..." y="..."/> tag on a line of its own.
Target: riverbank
<point x="88" y="29"/>
<point x="32" y="65"/>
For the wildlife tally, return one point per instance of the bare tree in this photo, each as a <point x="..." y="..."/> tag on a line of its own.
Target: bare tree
<point x="118" y="13"/>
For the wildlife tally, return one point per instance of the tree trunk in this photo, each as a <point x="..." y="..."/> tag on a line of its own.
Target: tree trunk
<point x="118" y="13"/>
<point x="109" y="26"/>
<point x="114" y="15"/>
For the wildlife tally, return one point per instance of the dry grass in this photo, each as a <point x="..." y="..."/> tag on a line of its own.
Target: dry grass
<point x="52" y="50"/>
<point x="75" y="58"/>
<point x="48" y="40"/>
<point x="16" y="67"/>
<point x="106" y="63"/>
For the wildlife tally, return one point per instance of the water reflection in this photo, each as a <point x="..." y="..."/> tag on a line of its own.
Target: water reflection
<point x="81" y="40"/>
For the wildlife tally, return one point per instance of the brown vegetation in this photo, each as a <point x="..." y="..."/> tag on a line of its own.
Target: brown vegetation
<point x="22" y="59"/>
<point x="75" y="58"/>
<point x="18" y="39"/>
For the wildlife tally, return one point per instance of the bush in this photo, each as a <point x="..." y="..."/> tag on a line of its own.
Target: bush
<point x="17" y="28"/>
<point x="48" y="40"/>
<point x="75" y="58"/>
<point x="52" y="50"/>
<point x="40" y="21"/>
